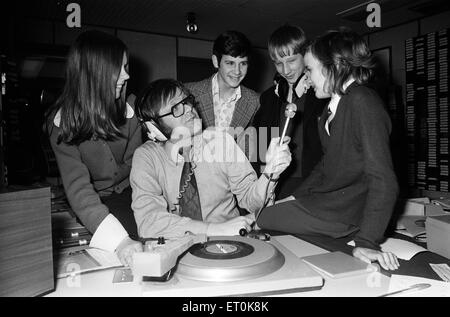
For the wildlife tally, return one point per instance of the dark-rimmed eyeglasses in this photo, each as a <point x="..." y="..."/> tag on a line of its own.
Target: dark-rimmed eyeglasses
<point x="178" y="109"/>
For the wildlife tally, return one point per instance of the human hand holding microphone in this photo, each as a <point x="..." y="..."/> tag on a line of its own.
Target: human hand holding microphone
<point x="278" y="157"/>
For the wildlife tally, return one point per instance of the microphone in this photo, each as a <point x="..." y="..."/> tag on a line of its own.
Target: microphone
<point x="289" y="113"/>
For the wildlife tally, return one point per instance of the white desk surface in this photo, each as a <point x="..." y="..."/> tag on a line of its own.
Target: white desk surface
<point x="100" y="283"/>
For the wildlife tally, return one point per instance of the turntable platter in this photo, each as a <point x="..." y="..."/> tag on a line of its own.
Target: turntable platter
<point x="224" y="259"/>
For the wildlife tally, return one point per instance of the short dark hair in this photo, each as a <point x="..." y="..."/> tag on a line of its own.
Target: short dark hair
<point x="231" y="43"/>
<point x="88" y="102"/>
<point x="343" y="54"/>
<point x="157" y="93"/>
<point x="285" y="40"/>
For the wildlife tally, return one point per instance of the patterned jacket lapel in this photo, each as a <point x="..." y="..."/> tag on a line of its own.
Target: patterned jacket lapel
<point x="206" y="105"/>
<point x="244" y="110"/>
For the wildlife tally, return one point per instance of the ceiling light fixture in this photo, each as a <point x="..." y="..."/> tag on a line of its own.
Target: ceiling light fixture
<point x="191" y="26"/>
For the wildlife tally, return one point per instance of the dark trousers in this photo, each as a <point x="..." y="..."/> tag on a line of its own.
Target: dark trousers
<point x="292" y="217"/>
<point x="287" y="186"/>
<point x="120" y="206"/>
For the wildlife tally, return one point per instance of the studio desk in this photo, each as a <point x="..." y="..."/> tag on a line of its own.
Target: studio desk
<point x="100" y="283"/>
<point x="417" y="266"/>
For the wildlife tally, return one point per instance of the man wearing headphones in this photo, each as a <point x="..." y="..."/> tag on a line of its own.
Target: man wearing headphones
<point x="187" y="180"/>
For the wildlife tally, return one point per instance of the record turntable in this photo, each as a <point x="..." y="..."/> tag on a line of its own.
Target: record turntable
<point x="224" y="266"/>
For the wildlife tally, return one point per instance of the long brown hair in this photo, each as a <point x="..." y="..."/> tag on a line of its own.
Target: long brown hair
<point x="88" y="104"/>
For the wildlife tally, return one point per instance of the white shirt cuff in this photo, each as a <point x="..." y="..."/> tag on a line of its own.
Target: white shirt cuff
<point x="109" y="234"/>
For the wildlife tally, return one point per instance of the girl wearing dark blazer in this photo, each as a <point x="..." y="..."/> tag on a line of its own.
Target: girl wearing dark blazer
<point x="353" y="189"/>
<point x="93" y="133"/>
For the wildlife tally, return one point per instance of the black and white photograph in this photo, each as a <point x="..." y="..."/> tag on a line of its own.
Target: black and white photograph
<point x="219" y="156"/>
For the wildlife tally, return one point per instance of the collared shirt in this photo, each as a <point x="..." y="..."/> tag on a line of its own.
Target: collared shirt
<point x="223" y="109"/>
<point x="299" y="90"/>
<point x="334" y="102"/>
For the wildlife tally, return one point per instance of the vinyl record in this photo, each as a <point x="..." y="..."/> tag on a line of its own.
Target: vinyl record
<point x="223" y="259"/>
<point x="221" y="250"/>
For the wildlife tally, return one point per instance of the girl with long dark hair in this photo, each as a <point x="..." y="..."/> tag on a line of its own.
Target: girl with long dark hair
<point x="93" y="133"/>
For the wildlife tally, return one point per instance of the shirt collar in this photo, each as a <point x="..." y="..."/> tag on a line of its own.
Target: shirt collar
<point x="299" y="89"/>
<point x="350" y="81"/>
<point x="130" y="111"/>
<point x="336" y="97"/>
<point x="215" y="90"/>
